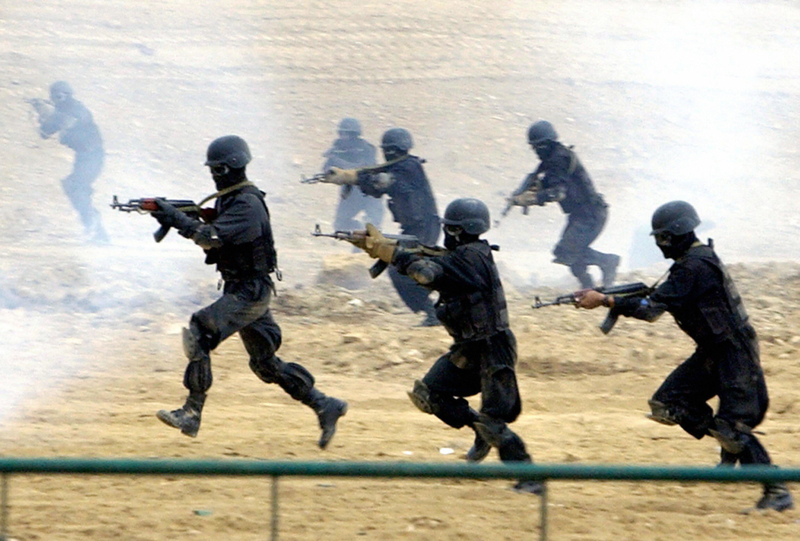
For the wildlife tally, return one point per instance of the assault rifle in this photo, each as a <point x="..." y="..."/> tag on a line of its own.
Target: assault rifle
<point x="148" y="205"/>
<point x="635" y="289"/>
<point x="531" y="183"/>
<point x="42" y="106"/>
<point x="357" y="237"/>
<point x="319" y="177"/>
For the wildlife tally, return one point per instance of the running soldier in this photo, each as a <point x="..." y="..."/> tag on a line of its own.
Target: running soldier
<point x="560" y="177"/>
<point x="472" y="307"/>
<point x="77" y="130"/>
<point x="702" y="298"/>
<point x="351" y="151"/>
<point x="411" y="201"/>
<point x="240" y="242"/>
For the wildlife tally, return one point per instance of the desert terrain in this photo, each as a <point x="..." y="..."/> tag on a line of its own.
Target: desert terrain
<point x="663" y="100"/>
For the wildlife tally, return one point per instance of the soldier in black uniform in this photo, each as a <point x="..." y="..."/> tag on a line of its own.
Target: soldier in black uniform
<point x="702" y="298"/>
<point x="351" y="151"/>
<point x="77" y="130"/>
<point x="472" y="307"/>
<point x="561" y="177"/>
<point x="239" y="241"/>
<point x="411" y="201"/>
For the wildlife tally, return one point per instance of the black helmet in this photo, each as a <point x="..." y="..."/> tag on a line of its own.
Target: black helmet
<point x="398" y="138"/>
<point x="541" y="131"/>
<point x="60" y="88"/>
<point x="230" y="150"/>
<point x="350" y="125"/>
<point x="676" y="217"/>
<point x="469" y="213"/>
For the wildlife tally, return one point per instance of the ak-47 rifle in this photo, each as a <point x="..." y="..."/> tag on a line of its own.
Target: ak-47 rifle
<point x="635" y="289"/>
<point x="531" y="183"/>
<point x="148" y="205"/>
<point x="319" y="177"/>
<point x="357" y="238"/>
<point x="41" y="105"/>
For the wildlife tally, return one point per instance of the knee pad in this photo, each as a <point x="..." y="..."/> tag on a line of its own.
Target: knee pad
<point x="494" y="431"/>
<point x="420" y="396"/>
<point x="192" y="348"/>
<point x="660" y="413"/>
<point x="267" y="369"/>
<point x="732" y="437"/>
<point x="198" y="342"/>
<point x="197" y="377"/>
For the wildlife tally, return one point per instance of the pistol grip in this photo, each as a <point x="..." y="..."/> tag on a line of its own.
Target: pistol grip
<point x="376" y="269"/>
<point x="161" y="233"/>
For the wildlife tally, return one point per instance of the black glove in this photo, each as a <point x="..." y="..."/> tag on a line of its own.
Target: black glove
<point x="162" y="218"/>
<point x="169" y="216"/>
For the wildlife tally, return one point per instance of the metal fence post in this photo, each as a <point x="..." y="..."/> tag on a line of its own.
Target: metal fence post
<point x="274" y="522"/>
<point x="543" y="513"/>
<point x="4" y="508"/>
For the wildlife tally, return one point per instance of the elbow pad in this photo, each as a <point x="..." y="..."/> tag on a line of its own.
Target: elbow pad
<point x="206" y="237"/>
<point x="424" y="271"/>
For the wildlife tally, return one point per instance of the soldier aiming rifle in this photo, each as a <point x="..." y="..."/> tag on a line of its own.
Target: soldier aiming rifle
<point x="702" y="297"/>
<point x="560" y="177"/>
<point x="149" y="205"/>
<point x="411" y="202"/>
<point x="358" y="239"/>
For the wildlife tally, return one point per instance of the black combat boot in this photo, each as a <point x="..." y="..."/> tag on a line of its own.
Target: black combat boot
<point x="727" y="459"/>
<point x="511" y="448"/>
<point x="529" y="486"/>
<point x="480" y="448"/>
<point x="328" y="410"/>
<point x="609" y="269"/>
<point x="776" y="496"/>
<point x="187" y="418"/>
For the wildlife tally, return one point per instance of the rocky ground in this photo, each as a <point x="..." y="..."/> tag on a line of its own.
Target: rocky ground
<point x="663" y="100"/>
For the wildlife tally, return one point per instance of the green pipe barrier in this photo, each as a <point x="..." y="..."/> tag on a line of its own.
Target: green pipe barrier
<point x="600" y="472"/>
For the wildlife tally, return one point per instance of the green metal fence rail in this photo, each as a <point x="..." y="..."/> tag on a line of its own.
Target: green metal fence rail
<point x="276" y="469"/>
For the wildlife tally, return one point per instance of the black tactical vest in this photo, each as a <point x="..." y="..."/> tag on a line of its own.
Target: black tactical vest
<point x="480" y="314"/>
<point x="257" y="258"/>
<point x="580" y="191"/>
<point x="719" y="312"/>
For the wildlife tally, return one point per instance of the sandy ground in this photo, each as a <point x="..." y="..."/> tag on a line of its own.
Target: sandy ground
<point x="663" y="100"/>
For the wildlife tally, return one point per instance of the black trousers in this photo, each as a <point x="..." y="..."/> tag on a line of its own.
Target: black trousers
<point x="583" y="227"/>
<point x="730" y="370"/>
<point x="244" y="308"/>
<point x="78" y="185"/>
<point x="488" y="369"/>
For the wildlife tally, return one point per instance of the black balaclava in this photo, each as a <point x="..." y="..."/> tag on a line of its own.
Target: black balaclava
<point x="392" y="153"/>
<point x="544" y="149"/>
<point x="451" y="242"/>
<point x="231" y="177"/>
<point x="674" y="246"/>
